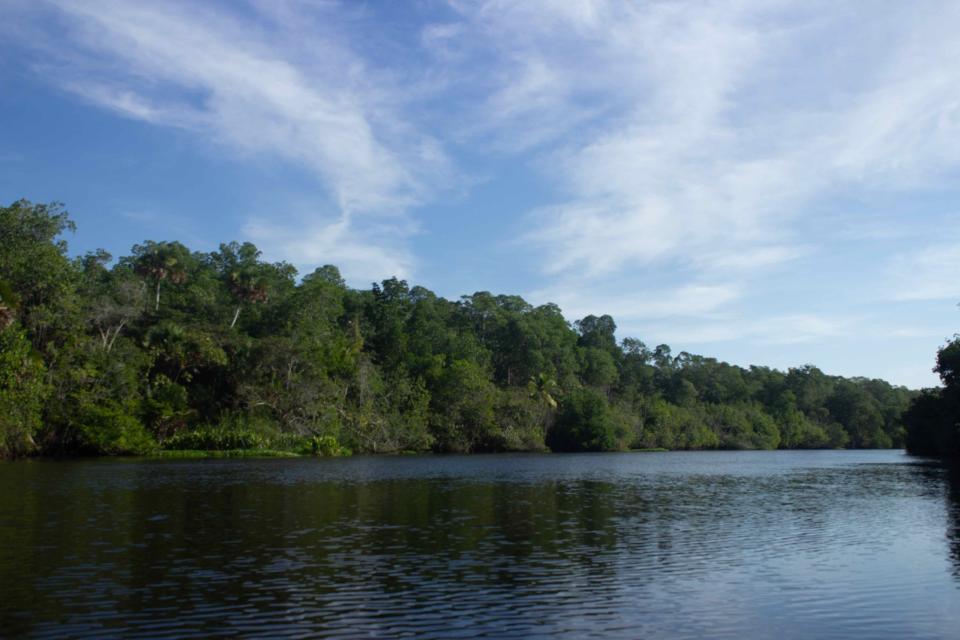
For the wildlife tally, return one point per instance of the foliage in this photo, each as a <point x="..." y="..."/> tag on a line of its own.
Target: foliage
<point x="107" y="429"/>
<point x="22" y="392"/>
<point x="327" y="446"/>
<point x="933" y="419"/>
<point x="181" y="351"/>
<point x="585" y="423"/>
<point x="206" y="438"/>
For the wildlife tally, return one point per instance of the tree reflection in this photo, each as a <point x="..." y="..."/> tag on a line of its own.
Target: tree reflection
<point x="953" y="515"/>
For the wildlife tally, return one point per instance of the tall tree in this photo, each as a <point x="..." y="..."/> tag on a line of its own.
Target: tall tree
<point x="245" y="277"/>
<point x="159" y="261"/>
<point x="933" y="419"/>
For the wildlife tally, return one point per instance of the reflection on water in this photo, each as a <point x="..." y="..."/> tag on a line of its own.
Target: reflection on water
<point x="744" y="544"/>
<point x="953" y="515"/>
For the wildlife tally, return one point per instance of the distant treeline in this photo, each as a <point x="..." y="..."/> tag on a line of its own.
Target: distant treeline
<point x="172" y="349"/>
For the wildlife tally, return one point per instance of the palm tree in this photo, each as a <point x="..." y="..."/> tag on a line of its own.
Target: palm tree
<point x="246" y="287"/>
<point x="161" y="261"/>
<point x="544" y="389"/>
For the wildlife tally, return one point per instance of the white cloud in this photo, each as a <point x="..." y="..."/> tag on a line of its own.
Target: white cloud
<point x="912" y="377"/>
<point x="691" y="146"/>
<point x="252" y="94"/>
<point x="751" y="259"/>
<point x="630" y="107"/>
<point x="774" y="329"/>
<point x="364" y="254"/>
<point x="702" y="132"/>
<point x="932" y="273"/>
<point x="259" y="87"/>
<point x="136" y="106"/>
<point x="638" y="302"/>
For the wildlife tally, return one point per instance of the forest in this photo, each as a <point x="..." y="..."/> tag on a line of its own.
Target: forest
<point x="173" y="350"/>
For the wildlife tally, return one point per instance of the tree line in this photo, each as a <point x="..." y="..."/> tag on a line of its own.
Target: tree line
<point x="168" y="348"/>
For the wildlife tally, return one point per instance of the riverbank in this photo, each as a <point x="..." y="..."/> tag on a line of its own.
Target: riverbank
<point x="228" y="453"/>
<point x="306" y="453"/>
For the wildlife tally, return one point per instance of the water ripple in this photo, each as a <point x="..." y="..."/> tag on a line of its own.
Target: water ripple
<point x="723" y="545"/>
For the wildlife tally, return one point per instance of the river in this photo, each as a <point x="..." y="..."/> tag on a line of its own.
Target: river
<point x="784" y="544"/>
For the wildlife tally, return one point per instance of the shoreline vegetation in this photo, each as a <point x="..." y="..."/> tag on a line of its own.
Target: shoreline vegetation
<point x="176" y="353"/>
<point x="932" y="422"/>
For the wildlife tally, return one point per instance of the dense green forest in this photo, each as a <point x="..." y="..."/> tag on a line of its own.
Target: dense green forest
<point x="169" y="349"/>
<point x="933" y="419"/>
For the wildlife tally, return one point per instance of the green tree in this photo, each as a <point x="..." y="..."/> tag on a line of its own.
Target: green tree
<point x="159" y="261"/>
<point x="39" y="280"/>
<point x="948" y="363"/>
<point x="243" y="274"/>
<point x="241" y="351"/>
<point x="112" y="300"/>
<point x="933" y="419"/>
<point x="22" y="392"/>
<point x="462" y="409"/>
<point x="598" y="333"/>
<point x="585" y="423"/>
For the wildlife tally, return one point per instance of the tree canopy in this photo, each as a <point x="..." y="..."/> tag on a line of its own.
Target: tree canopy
<point x="173" y="348"/>
<point x="933" y="419"/>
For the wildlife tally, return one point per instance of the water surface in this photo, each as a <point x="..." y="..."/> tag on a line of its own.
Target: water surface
<point x="833" y="544"/>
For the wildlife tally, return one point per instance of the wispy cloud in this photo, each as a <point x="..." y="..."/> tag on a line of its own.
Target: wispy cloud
<point x="693" y="157"/>
<point x="334" y="241"/>
<point x="257" y="86"/>
<point x="640" y="302"/>
<point x="931" y="273"/>
<point x="696" y="132"/>
<point x="705" y="140"/>
<point x="696" y="160"/>
<point x="786" y="329"/>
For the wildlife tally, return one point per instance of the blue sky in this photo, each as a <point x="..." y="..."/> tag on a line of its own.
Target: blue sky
<point x="770" y="183"/>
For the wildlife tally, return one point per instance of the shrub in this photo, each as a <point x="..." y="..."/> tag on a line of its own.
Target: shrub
<point x="108" y="429"/>
<point x="212" y="439"/>
<point x="22" y="392"/>
<point x="327" y="446"/>
<point x="585" y="423"/>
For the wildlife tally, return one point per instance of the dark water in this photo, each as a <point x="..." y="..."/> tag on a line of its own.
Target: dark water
<point x="737" y="545"/>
